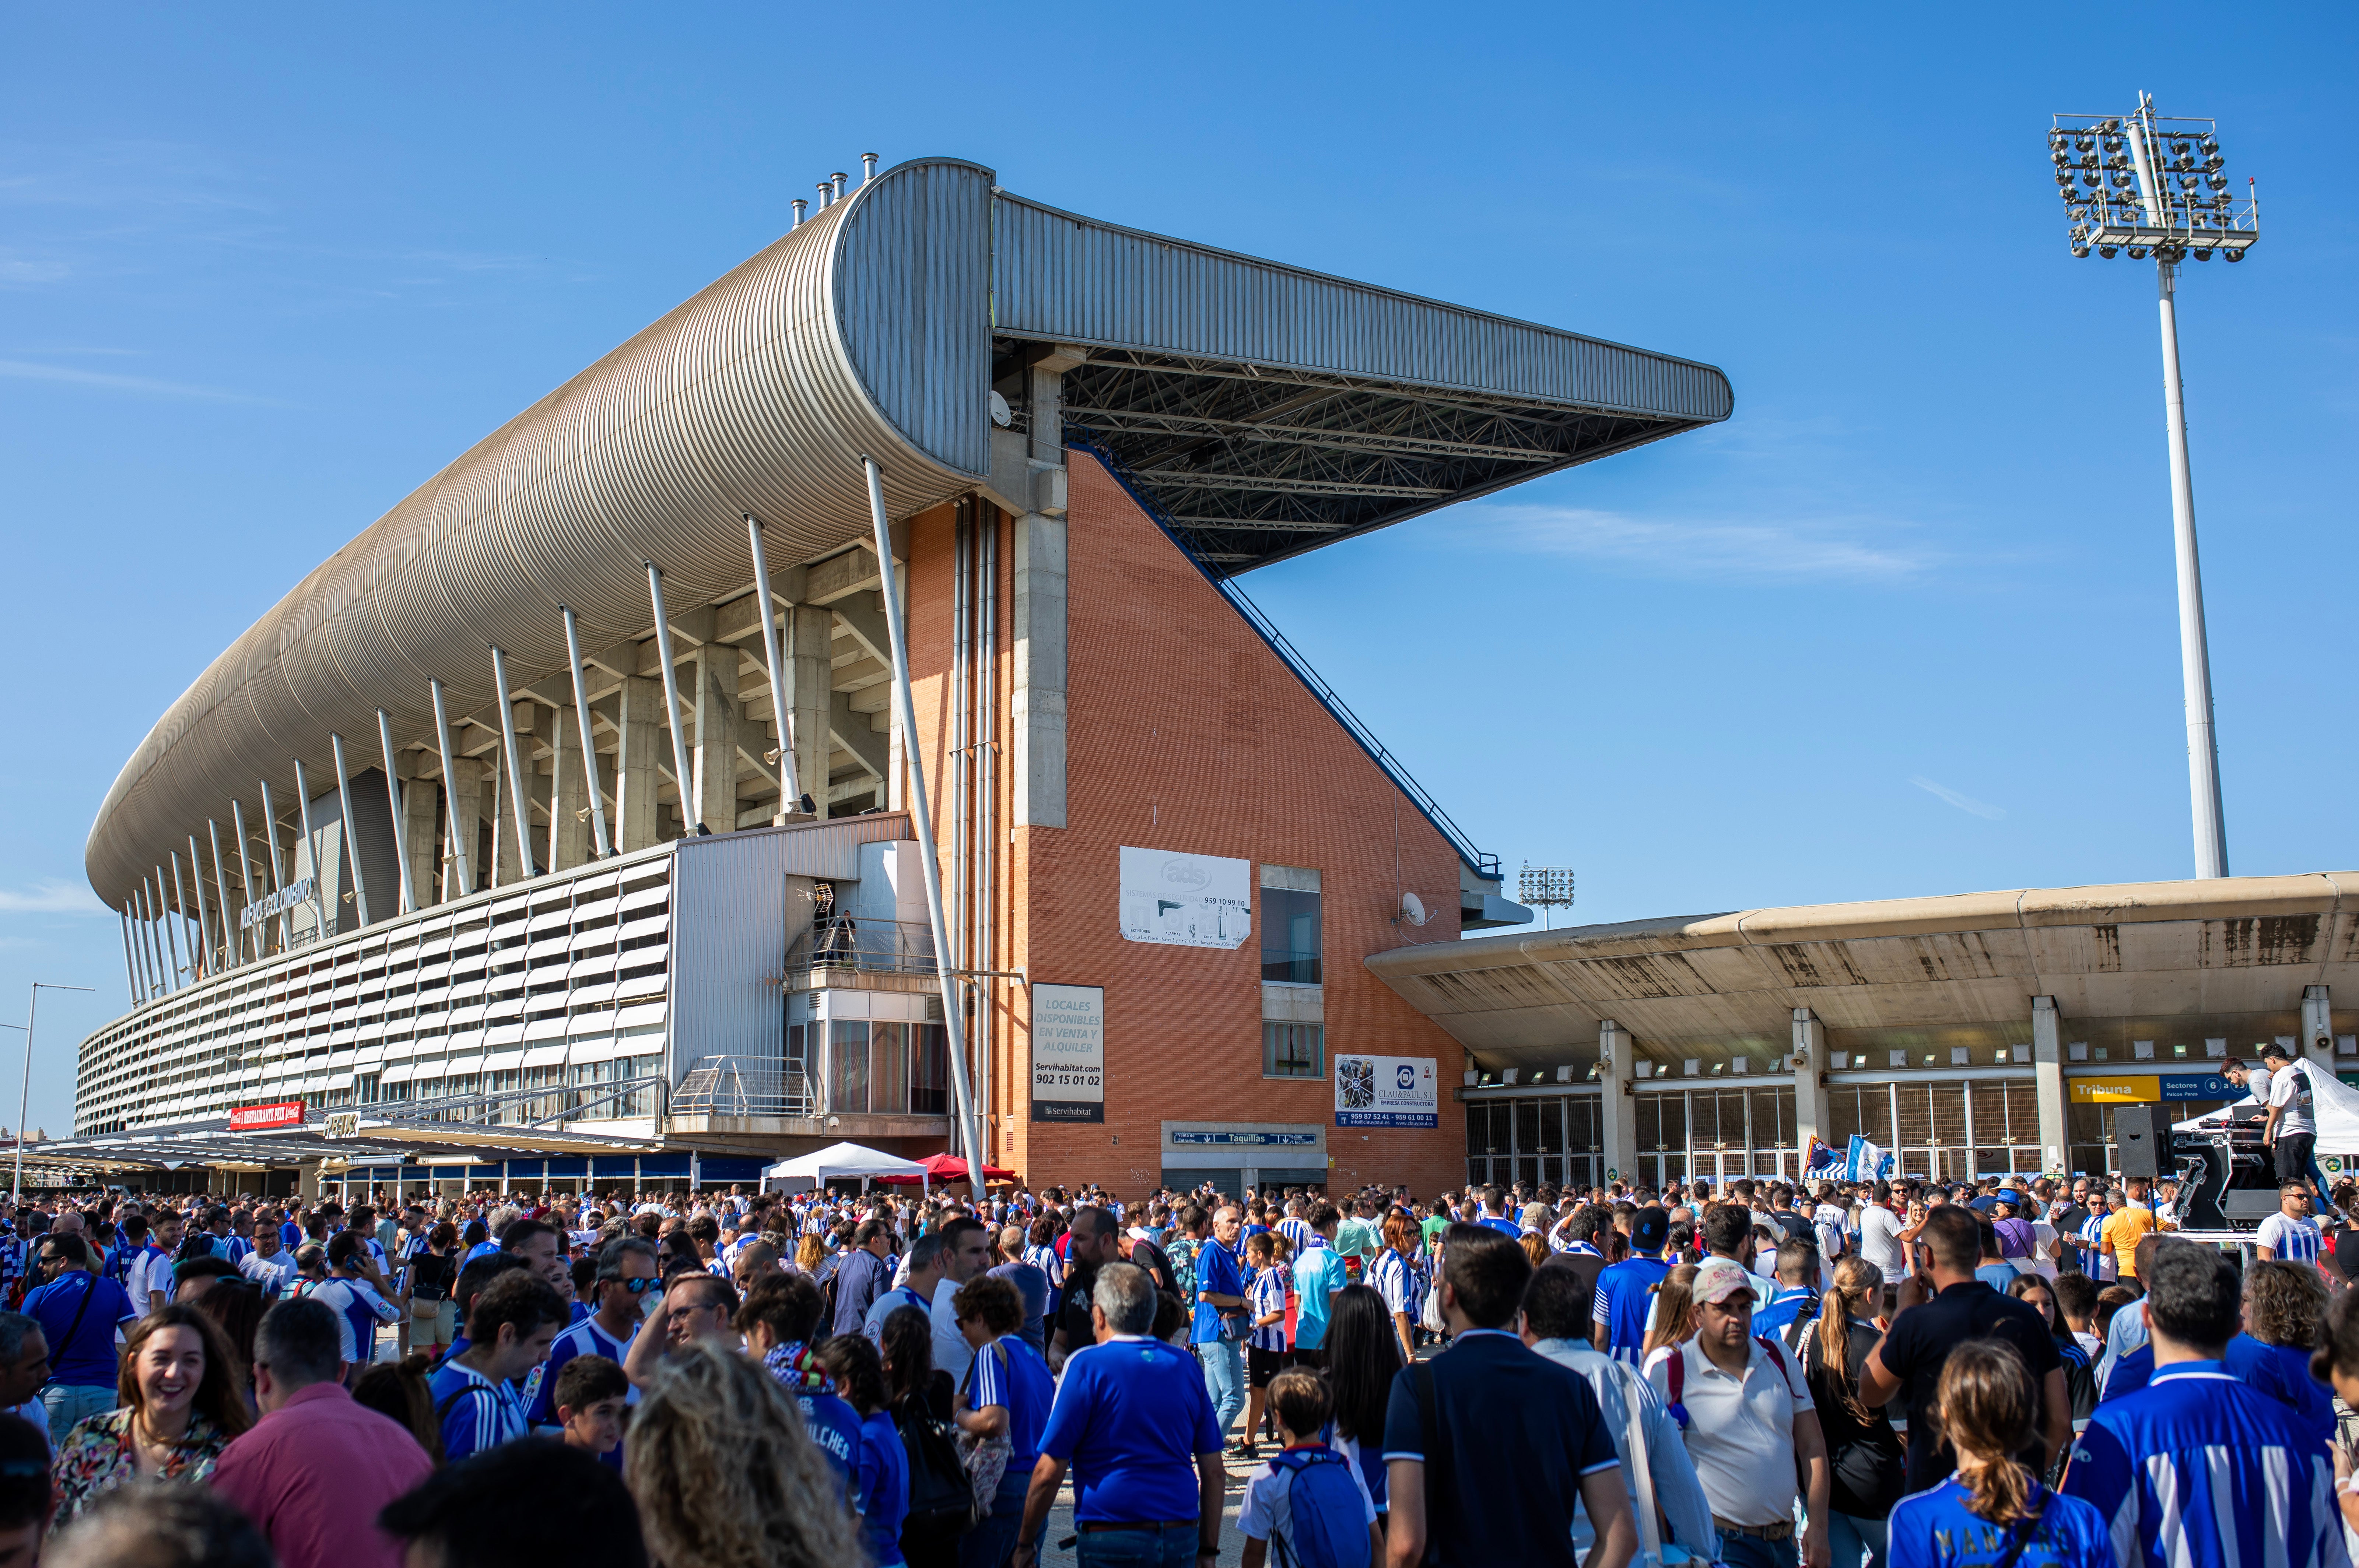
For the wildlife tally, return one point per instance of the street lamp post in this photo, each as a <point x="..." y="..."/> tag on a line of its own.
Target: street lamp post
<point x="24" y="1094"/>
<point x="2152" y="185"/>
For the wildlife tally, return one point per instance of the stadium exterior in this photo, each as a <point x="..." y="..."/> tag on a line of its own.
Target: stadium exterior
<point x="540" y="832"/>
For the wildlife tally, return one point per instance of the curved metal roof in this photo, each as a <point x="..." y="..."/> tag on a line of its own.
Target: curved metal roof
<point x="1263" y="409"/>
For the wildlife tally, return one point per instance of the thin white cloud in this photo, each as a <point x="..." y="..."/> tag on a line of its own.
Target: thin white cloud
<point x="1965" y="803"/>
<point x="140" y="386"/>
<point x="50" y="896"/>
<point x="1829" y="549"/>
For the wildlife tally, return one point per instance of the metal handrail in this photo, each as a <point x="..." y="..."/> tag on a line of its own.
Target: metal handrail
<point x="873" y="946"/>
<point x="745" y="1087"/>
<point x="484" y="1109"/>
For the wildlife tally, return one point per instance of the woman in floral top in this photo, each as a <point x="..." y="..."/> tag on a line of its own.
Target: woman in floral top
<point x="180" y="1407"/>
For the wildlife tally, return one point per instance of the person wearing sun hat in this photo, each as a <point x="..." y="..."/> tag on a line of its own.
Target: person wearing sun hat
<point x="1750" y="1422"/>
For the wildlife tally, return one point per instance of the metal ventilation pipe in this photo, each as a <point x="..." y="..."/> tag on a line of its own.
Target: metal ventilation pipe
<point x="867" y="167"/>
<point x="826" y="195"/>
<point x="841" y="179"/>
<point x="800" y="205"/>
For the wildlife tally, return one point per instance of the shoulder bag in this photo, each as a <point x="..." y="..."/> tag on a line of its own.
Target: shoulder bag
<point x="985" y="1458"/>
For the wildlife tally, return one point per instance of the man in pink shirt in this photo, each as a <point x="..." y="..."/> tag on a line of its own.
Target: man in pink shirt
<point x="317" y="1464"/>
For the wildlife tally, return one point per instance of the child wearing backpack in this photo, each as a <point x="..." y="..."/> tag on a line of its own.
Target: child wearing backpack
<point x="1308" y="1507"/>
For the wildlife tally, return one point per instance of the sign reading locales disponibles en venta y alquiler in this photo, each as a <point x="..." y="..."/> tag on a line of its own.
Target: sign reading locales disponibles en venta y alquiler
<point x="1387" y="1091"/>
<point x="1068" y="1053"/>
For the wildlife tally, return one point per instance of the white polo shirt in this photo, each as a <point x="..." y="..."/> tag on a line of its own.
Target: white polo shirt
<point x="1740" y="1432"/>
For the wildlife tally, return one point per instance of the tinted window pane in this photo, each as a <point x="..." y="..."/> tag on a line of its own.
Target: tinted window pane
<point x="1290" y="936"/>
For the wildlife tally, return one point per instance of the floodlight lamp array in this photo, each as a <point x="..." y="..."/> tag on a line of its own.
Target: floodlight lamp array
<point x="2149" y="185"/>
<point x="1545" y="886"/>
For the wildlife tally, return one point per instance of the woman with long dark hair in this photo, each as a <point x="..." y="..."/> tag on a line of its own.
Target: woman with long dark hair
<point x="1867" y="1469"/>
<point x="1363" y="1358"/>
<point x="180" y="1408"/>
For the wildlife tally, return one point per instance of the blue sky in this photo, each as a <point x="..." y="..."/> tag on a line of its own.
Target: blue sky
<point x="1903" y="625"/>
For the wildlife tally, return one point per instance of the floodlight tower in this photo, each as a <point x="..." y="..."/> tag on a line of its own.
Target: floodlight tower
<point x="1545" y="888"/>
<point x="2147" y="184"/>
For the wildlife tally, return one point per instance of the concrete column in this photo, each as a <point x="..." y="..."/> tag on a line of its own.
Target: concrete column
<point x="715" y="701"/>
<point x="499" y="801"/>
<point x="810" y="644"/>
<point x="1812" y="1118"/>
<point x="644" y="744"/>
<point x="569" y="832"/>
<point x="2317" y="1029"/>
<point x="2048" y="1083"/>
<point x="1617" y="1054"/>
<point x="465" y="789"/>
<point x="1036" y="710"/>
<point x="422" y="831"/>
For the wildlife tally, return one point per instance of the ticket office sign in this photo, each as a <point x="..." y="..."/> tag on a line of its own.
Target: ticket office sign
<point x="1068" y="1053"/>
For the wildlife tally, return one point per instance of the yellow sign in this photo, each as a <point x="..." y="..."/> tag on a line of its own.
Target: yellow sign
<point x="2129" y="1090"/>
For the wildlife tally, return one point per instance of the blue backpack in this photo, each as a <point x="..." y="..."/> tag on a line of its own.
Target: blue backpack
<point x="1329" y="1525"/>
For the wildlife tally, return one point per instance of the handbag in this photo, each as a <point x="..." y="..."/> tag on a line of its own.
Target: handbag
<point x="941" y="1497"/>
<point x="984" y="1459"/>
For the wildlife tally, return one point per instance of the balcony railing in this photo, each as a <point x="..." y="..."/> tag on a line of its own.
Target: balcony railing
<point x="863" y="946"/>
<point x="745" y="1087"/>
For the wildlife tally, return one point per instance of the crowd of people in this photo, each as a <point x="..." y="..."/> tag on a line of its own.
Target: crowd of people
<point x="2022" y="1374"/>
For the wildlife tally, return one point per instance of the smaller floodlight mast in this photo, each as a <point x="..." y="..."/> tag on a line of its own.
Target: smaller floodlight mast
<point x="1544" y="888"/>
<point x="2147" y="184"/>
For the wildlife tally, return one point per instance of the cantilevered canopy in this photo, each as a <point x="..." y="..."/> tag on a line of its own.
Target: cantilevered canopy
<point x="1261" y="410"/>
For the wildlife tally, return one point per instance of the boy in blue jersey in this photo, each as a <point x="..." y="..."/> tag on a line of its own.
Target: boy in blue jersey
<point x="627" y="1273"/>
<point x="511" y="1326"/>
<point x="1625" y="1290"/>
<point x="2199" y="1470"/>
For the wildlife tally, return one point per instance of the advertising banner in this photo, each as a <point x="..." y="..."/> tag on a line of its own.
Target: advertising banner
<point x="262" y="1118"/>
<point x="1387" y="1091"/>
<point x="1068" y="1053"/>
<point x="1185" y="901"/>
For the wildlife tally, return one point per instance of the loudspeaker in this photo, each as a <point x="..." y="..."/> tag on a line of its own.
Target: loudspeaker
<point x="2134" y="1144"/>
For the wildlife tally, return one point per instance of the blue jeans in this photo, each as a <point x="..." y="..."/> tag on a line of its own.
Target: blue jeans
<point x="1857" y="1542"/>
<point x="1174" y="1546"/>
<point x="1225" y="1380"/>
<point x="993" y="1542"/>
<point x="70" y="1402"/>
<point x="1752" y="1552"/>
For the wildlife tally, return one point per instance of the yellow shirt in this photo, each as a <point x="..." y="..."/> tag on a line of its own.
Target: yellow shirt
<point x="2122" y="1232"/>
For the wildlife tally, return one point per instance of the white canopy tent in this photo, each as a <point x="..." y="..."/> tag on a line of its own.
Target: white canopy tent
<point x="836" y="1161"/>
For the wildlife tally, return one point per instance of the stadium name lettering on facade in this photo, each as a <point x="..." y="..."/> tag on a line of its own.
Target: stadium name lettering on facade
<point x="279" y="903"/>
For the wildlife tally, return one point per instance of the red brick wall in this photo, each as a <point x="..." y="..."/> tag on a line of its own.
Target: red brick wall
<point x="1184" y="732"/>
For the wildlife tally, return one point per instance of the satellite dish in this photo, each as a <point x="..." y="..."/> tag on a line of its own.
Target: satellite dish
<point x="1412" y="909"/>
<point x="1000" y="413"/>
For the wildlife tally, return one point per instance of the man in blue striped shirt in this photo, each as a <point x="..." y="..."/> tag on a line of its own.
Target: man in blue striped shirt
<point x="510" y="1327"/>
<point x="2199" y="1470"/>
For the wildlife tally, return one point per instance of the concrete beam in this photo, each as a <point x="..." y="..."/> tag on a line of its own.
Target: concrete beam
<point x="637" y="757"/>
<point x="865" y="623"/>
<point x="851" y="731"/>
<point x="839" y="577"/>
<point x="2048" y="1083"/>
<point x="811" y="634"/>
<point x="569" y="834"/>
<point x="713" y="693"/>
<point x="1036" y="710"/>
<point x="1812" y="1118"/>
<point x="1617" y="1052"/>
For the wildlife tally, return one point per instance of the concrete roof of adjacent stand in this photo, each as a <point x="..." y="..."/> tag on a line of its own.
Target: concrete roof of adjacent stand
<point x="2184" y="961"/>
<point x="1259" y="410"/>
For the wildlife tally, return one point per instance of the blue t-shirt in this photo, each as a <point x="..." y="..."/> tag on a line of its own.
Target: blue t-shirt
<point x="89" y="1361"/>
<point x="475" y="1412"/>
<point x="1508" y="1227"/>
<point x="1777" y="1315"/>
<point x="583" y="1338"/>
<point x="1217" y="1272"/>
<point x="1009" y="1373"/>
<point x="1624" y="1291"/>
<point x="1316" y="1272"/>
<point x="2200" y="1471"/>
<point x="1936" y="1530"/>
<point x="290" y="1235"/>
<point x="880" y="1488"/>
<point x="1518" y="1432"/>
<point x="832" y="1421"/>
<point x="2280" y="1371"/>
<point x="1130" y="1417"/>
<point x="1031" y="1282"/>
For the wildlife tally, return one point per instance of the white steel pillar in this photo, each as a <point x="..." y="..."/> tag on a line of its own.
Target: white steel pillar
<point x="2194" y="653"/>
<point x="953" y="1022"/>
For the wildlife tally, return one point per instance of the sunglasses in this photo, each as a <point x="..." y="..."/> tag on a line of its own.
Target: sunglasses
<point x="637" y="1287"/>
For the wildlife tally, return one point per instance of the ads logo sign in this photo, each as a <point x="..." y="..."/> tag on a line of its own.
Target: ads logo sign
<point x="1387" y="1091"/>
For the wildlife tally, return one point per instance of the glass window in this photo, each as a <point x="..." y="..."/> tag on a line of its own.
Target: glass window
<point x="1292" y="1050"/>
<point x="1290" y="936"/>
<point x="888" y="1067"/>
<point x="850" y="1043"/>
<point x="929" y="1070"/>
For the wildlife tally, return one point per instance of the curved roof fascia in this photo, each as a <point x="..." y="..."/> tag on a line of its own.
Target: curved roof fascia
<point x="762" y="394"/>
